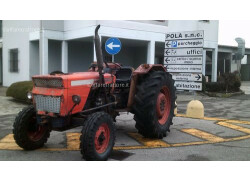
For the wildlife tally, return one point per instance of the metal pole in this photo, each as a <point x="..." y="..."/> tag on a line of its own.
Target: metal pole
<point x="224" y="65"/>
<point x="40" y="48"/>
<point x="113" y="58"/>
<point x="194" y="95"/>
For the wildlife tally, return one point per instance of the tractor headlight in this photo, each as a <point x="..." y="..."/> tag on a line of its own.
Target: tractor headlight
<point x="76" y="99"/>
<point x="29" y="95"/>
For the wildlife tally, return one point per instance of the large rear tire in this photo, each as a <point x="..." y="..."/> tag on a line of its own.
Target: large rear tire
<point x="98" y="137"/>
<point x="154" y="104"/>
<point x="27" y="133"/>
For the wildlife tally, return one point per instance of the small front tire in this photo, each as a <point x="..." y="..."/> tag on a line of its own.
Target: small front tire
<point x="27" y="133"/>
<point x="98" y="137"/>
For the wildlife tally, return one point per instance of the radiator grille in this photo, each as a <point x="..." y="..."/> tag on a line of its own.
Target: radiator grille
<point x="48" y="103"/>
<point x="50" y="83"/>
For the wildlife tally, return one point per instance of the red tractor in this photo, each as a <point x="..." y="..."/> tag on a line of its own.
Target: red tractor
<point x="93" y="99"/>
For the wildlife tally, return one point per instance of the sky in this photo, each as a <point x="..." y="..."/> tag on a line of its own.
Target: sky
<point x="230" y="29"/>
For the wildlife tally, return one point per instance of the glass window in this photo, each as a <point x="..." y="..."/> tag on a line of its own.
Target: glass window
<point x="1" y="29"/>
<point x="13" y="56"/>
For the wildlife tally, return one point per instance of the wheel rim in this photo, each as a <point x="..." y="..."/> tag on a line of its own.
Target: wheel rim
<point x="102" y="137"/>
<point x="35" y="131"/>
<point x="163" y="105"/>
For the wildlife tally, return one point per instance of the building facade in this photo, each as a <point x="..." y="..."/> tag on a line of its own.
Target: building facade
<point x="1" y="54"/>
<point x="227" y="61"/>
<point x="35" y="47"/>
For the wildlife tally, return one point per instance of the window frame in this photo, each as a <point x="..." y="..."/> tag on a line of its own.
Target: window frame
<point x="14" y="61"/>
<point x="1" y="28"/>
<point x="204" y="21"/>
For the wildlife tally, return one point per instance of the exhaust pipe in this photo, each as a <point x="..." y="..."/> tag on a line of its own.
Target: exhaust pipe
<point x="98" y="51"/>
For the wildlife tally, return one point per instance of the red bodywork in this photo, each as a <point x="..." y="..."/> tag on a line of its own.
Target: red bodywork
<point x="80" y="84"/>
<point x="73" y="84"/>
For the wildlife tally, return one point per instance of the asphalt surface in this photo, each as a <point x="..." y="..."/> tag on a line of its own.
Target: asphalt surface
<point x="210" y="139"/>
<point x="235" y="107"/>
<point x="182" y="143"/>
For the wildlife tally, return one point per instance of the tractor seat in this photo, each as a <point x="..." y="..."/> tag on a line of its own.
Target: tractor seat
<point x="123" y="75"/>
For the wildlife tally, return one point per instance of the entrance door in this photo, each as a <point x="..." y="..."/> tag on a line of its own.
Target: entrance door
<point x="1" y="67"/>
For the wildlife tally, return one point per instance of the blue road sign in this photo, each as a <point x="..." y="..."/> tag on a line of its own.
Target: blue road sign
<point x="113" y="46"/>
<point x="174" y="44"/>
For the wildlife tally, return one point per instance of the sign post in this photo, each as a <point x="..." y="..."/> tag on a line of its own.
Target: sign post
<point x="183" y="58"/>
<point x="113" y="46"/>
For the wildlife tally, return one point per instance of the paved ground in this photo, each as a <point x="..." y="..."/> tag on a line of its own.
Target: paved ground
<point x="189" y="139"/>
<point x="10" y="106"/>
<point x="3" y="91"/>
<point x="236" y="107"/>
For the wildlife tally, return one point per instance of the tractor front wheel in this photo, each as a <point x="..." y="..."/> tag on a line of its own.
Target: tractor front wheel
<point x="27" y="133"/>
<point x="98" y="137"/>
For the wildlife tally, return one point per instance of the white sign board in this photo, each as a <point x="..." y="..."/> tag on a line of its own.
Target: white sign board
<point x="184" y="43"/>
<point x="184" y="68"/>
<point x="183" y="60"/>
<point x="195" y="86"/>
<point x="184" y="52"/>
<point x="185" y="35"/>
<point x="186" y="77"/>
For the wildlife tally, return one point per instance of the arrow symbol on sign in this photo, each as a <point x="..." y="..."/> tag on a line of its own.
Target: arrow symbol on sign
<point x="167" y="60"/>
<point x="111" y="45"/>
<point x="198" y="77"/>
<point x="167" y="44"/>
<point x="167" y="52"/>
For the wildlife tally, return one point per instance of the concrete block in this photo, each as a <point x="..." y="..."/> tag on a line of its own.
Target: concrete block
<point x="195" y="109"/>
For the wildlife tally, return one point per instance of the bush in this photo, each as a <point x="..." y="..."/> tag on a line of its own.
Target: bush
<point x="19" y="90"/>
<point x="231" y="80"/>
<point x="228" y="82"/>
<point x="215" y="87"/>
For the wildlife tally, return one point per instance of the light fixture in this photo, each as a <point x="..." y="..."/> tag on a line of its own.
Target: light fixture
<point x="29" y="95"/>
<point x="76" y="99"/>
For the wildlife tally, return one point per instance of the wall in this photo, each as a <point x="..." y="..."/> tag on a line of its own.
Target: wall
<point x="34" y="58"/>
<point x="210" y="29"/>
<point x="54" y="25"/>
<point x="133" y="25"/>
<point x="233" y="67"/>
<point x="248" y="59"/>
<point x="133" y="53"/>
<point x="126" y="56"/>
<point x="159" y="52"/>
<point x="245" y="72"/>
<point x="1" y="69"/>
<point x="224" y="62"/>
<point x="140" y="56"/>
<point x="70" y="25"/>
<point x="16" y="35"/>
<point x="80" y="55"/>
<point x="55" y="55"/>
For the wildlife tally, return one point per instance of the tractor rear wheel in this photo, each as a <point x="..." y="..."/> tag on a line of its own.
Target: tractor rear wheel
<point x="98" y="137"/>
<point x="27" y="133"/>
<point x="154" y="104"/>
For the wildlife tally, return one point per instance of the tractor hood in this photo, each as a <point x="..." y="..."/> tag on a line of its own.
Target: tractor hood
<point x="51" y="90"/>
<point x="70" y="80"/>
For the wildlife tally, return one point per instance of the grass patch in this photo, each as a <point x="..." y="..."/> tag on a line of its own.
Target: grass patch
<point x="19" y="90"/>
